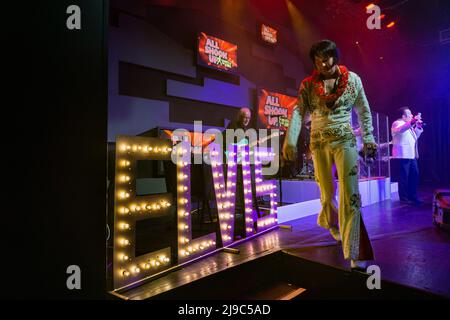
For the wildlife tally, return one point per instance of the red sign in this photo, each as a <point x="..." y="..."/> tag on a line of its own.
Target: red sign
<point x="216" y="53"/>
<point x="197" y="139"/>
<point x="275" y="109"/>
<point x="268" y="34"/>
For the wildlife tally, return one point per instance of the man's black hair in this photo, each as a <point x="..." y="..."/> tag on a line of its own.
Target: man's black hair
<point x="402" y="110"/>
<point x="324" y="48"/>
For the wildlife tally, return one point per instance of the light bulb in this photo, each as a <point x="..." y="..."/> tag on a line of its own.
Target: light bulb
<point x="124" y="195"/>
<point x="125" y="226"/>
<point x="125" y="273"/>
<point x="136" y="270"/>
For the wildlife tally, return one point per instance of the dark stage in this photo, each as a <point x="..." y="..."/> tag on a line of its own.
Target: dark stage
<point x="411" y="252"/>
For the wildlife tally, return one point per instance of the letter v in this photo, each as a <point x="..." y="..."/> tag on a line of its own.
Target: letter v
<point x="225" y="193"/>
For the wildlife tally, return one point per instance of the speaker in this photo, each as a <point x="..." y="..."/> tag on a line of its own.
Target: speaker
<point x="441" y="208"/>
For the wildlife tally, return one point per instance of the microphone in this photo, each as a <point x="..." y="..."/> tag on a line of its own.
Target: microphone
<point x="422" y="124"/>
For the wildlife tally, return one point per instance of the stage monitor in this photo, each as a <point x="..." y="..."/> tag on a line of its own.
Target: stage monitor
<point x="274" y="109"/>
<point x="217" y="54"/>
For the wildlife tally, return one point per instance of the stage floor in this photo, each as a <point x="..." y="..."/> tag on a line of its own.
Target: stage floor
<point x="408" y="248"/>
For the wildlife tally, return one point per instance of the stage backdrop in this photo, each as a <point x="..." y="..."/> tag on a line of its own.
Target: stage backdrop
<point x="155" y="79"/>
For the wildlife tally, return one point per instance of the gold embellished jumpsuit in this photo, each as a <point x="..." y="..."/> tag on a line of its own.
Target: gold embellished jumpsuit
<point x="333" y="143"/>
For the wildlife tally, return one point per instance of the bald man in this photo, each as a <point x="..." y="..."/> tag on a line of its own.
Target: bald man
<point x="242" y="119"/>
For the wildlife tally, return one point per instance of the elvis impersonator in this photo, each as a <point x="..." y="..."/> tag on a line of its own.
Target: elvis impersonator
<point x="328" y="96"/>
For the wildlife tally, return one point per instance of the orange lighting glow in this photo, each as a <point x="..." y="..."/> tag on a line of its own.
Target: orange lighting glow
<point x="370" y="6"/>
<point x="391" y="24"/>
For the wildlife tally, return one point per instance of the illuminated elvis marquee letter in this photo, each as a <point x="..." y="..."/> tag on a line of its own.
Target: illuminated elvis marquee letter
<point x="265" y="188"/>
<point x="250" y="215"/>
<point x="226" y="197"/>
<point x="128" y="209"/>
<point x="257" y="156"/>
<point x="187" y="247"/>
<point x="225" y="193"/>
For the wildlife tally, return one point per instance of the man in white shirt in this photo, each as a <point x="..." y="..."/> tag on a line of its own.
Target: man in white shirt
<point x="405" y="134"/>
